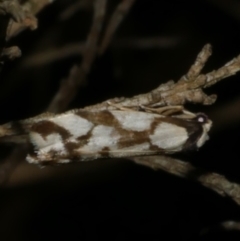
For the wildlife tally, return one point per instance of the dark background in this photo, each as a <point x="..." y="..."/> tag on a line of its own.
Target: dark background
<point x="117" y="199"/>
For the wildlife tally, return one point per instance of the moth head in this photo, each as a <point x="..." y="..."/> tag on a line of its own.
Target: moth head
<point x="206" y="126"/>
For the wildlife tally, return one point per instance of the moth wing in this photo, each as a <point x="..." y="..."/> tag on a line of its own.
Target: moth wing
<point x="49" y="137"/>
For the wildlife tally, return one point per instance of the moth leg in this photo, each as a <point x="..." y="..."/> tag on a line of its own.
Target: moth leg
<point x="186" y="115"/>
<point x="120" y="107"/>
<point x="166" y="110"/>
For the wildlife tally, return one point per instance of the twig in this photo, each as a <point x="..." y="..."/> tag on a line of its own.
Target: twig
<point x="198" y="65"/>
<point x="69" y="87"/>
<point x="11" y="10"/>
<point x="187" y="89"/>
<point x="30" y="8"/>
<point x="10" y="53"/>
<point x="117" y="17"/>
<point x="213" y="181"/>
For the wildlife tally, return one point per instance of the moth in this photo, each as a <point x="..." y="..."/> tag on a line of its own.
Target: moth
<point x="83" y="135"/>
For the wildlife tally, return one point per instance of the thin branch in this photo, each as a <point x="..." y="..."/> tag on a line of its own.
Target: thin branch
<point x="229" y="69"/>
<point x="10" y="53"/>
<point x="70" y="86"/>
<point x="116" y="19"/>
<point x="199" y="64"/>
<point x="213" y="181"/>
<point x="11" y="10"/>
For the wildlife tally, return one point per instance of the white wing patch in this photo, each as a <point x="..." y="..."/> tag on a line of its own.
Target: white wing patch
<point x="51" y="143"/>
<point x="41" y="142"/>
<point x="102" y="136"/>
<point x="76" y="125"/>
<point x="134" y="121"/>
<point x="169" y="137"/>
